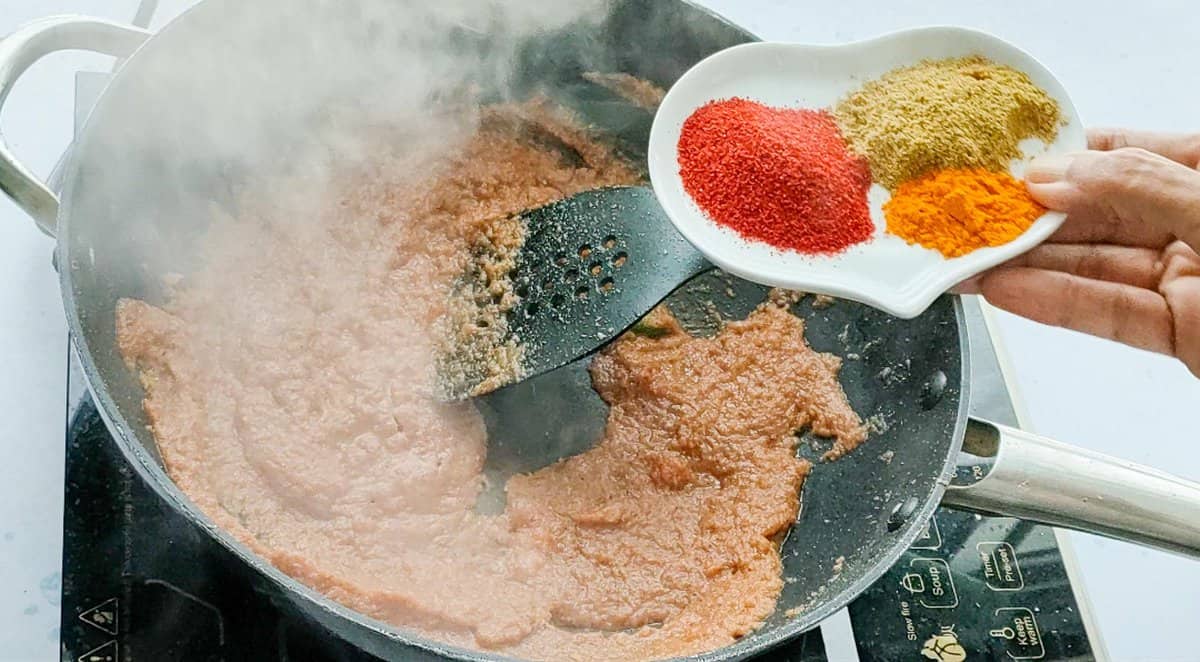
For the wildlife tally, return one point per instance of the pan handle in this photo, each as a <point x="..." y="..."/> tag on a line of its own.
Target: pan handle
<point x="1005" y="471"/>
<point x="21" y="49"/>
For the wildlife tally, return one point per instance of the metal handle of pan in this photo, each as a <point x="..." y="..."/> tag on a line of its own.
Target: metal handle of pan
<point x="21" y="49"/>
<point x="1005" y="471"/>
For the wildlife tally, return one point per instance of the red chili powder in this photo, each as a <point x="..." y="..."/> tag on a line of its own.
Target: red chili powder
<point x="779" y="175"/>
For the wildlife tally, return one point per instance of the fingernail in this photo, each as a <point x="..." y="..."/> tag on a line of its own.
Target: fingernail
<point x="1048" y="169"/>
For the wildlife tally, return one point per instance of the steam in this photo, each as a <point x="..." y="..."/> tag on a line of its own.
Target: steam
<point x="243" y="98"/>
<point x="288" y="389"/>
<point x="291" y="360"/>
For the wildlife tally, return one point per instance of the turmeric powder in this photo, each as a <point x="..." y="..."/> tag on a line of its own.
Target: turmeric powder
<point x="958" y="210"/>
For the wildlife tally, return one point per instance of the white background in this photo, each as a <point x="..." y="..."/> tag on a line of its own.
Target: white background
<point x="1124" y="63"/>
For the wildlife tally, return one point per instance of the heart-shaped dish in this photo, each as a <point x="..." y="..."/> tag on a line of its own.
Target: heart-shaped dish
<point x="884" y="272"/>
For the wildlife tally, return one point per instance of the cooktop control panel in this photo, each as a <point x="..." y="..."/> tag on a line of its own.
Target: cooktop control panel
<point x="973" y="588"/>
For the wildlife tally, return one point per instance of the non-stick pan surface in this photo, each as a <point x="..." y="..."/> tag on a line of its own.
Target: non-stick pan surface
<point x="116" y="241"/>
<point x="858" y="513"/>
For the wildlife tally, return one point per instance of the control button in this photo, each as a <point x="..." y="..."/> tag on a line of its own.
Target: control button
<point x="1018" y="627"/>
<point x="103" y="617"/>
<point x="106" y="652"/>
<point x="1000" y="568"/>
<point x="913" y="583"/>
<point x="944" y="646"/>
<point x="179" y="615"/>
<point x="930" y="583"/>
<point x="931" y="537"/>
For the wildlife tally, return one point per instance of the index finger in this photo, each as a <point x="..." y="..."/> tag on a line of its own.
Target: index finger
<point x="1181" y="148"/>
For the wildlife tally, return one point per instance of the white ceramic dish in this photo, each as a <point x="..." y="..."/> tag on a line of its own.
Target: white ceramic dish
<point x="884" y="272"/>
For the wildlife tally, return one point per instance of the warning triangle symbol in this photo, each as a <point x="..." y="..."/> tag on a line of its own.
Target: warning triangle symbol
<point x="102" y="653"/>
<point x="103" y="616"/>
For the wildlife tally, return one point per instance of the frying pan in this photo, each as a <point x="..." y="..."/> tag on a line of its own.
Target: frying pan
<point x="128" y="216"/>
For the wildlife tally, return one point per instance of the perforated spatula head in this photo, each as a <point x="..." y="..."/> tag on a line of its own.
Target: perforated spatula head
<point x="591" y="266"/>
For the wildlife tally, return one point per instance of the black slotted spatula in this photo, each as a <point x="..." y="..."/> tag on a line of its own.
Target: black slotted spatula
<point x="591" y="266"/>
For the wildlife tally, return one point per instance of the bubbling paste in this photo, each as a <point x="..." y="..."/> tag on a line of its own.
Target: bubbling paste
<point x="290" y="385"/>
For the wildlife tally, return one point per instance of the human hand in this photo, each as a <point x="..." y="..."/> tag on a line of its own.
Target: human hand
<point x="1124" y="265"/>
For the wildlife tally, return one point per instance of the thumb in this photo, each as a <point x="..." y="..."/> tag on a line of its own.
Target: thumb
<point x="1131" y="185"/>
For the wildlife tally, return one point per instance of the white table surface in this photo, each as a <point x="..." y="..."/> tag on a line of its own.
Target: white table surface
<point x="1125" y="63"/>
